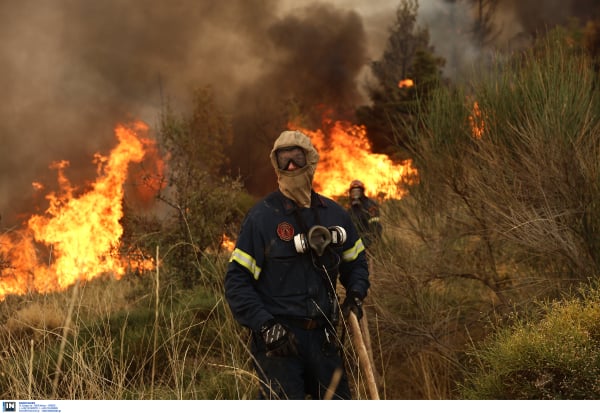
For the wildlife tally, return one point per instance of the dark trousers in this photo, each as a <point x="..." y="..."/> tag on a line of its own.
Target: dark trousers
<point x="309" y="373"/>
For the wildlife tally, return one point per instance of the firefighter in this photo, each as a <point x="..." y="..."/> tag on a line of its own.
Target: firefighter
<point x="364" y="213"/>
<point x="281" y="280"/>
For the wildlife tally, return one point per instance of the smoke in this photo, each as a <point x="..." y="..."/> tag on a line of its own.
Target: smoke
<point x="314" y="62"/>
<point x="513" y="24"/>
<point x="516" y="18"/>
<point x="72" y="70"/>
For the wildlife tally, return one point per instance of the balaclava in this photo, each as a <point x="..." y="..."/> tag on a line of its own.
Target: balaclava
<point x="297" y="184"/>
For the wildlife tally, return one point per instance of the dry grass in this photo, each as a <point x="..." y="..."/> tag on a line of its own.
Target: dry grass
<point x="112" y="339"/>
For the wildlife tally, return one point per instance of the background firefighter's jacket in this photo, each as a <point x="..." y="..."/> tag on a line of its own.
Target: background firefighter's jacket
<point x="366" y="216"/>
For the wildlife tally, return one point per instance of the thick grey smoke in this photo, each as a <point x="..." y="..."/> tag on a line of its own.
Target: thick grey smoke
<point x="513" y="25"/>
<point x="317" y="55"/>
<point x="73" y="69"/>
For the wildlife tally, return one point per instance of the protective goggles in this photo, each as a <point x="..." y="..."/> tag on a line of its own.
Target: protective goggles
<point x="290" y="154"/>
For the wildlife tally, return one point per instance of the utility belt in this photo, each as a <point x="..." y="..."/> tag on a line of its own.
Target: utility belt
<point x="304" y="323"/>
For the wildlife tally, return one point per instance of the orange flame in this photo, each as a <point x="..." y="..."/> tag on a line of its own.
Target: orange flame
<point x="345" y="155"/>
<point x="226" y="246"/>
<point x="227" y="243"/>
<point x="82" y="232"/>
<point x="476" y="121"/>
<point x="406" y="83"/>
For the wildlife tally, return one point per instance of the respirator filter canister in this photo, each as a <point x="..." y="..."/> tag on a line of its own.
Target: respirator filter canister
<point x="318" y="238"/>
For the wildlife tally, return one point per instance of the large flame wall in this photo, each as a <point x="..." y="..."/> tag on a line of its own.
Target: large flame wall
<point x="80" y="230"/>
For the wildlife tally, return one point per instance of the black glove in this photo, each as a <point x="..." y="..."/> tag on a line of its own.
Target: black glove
<point x="352" y="302"/>
<point x="279" y="341"/>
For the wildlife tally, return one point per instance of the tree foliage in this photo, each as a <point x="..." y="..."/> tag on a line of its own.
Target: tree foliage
<point x="407" y="56"/>
<point x="204" y="206"/>
<point x="483" y="30"/>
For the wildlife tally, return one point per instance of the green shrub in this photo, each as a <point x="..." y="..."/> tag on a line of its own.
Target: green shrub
<point x="557" y="357"/>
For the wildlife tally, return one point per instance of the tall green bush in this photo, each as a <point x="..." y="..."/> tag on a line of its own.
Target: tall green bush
<point x="503" y="213"/>
<point x="511" y="165"/>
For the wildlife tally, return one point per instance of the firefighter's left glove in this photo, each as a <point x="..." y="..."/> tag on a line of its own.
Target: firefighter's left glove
<point x="352" y="303"/>
<point x="279" y="341"/>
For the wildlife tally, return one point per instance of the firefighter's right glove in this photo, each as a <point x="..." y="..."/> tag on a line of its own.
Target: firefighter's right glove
<point x="352" y="302"/>
<point x="279" y="341"/>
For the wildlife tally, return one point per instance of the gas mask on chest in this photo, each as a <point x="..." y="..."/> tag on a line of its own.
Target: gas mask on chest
<point x="318" y="238"/>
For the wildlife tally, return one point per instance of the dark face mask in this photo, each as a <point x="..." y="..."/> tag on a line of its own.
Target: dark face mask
<point x="290" y="154"/>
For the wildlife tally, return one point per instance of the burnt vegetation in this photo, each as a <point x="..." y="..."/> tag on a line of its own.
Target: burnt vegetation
<point x="484" y="285"/>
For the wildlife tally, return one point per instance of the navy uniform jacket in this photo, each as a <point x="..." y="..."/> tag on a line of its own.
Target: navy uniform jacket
<point x="266" y="277"/>
<point x="366" y="218"/>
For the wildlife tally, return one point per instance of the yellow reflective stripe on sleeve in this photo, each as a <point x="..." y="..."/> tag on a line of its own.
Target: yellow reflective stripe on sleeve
<point x="351" y="253"/>
<point x="374" y="219"/>
<point x="245" y="261"/>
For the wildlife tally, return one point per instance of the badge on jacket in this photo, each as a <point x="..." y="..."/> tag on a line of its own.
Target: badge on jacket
<point x="285" y="231"/>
